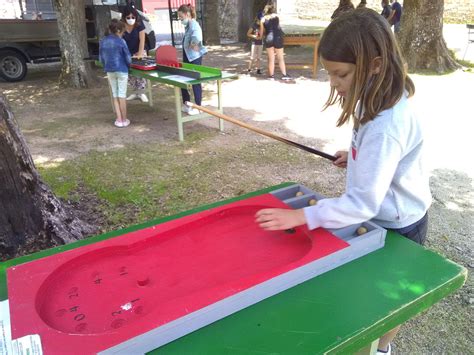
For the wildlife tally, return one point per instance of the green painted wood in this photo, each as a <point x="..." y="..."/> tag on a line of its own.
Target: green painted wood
<point x="207" y="74"/>
<point x="338" y="312"/>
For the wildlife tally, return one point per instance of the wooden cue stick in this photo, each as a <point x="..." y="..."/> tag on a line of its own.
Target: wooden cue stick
<point x="262" y="132"/>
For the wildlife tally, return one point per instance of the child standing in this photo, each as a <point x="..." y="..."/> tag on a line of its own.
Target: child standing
<point x="115" y="57"/>
<point x="271" y="30"/>
<point x="386" y="178"/>
<point x="257" y="43"/>
<point x="193" y="51"/>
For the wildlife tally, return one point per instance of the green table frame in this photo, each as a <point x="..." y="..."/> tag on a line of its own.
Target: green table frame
<point x="208" y="74"/>
<point x="344" y="310"/>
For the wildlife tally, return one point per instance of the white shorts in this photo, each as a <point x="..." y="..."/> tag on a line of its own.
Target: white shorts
<point x="256" y="51"/>
<point x="118" y="84"/>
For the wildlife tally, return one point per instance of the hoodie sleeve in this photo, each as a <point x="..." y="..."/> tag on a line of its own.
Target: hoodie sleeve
<point x="368" y="181"/>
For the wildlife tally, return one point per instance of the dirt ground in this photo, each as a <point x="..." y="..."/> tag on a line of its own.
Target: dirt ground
<point x="60" y="125"/>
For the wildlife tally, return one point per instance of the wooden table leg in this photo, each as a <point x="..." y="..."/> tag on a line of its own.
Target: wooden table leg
<point x="219" y="104"/>
<point x="150" y="93"/>
<point x="179" y="116"/>
<point x="315" y="58"/>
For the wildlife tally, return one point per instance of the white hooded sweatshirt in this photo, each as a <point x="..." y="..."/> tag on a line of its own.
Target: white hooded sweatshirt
<point x="386" y="178"/>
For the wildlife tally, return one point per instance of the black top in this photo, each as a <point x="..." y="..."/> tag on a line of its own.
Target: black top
<point x="398" y="12"/>
<point x="387" y="10"/>
<point x="133" y="39"/>
<point x="256" y="30"/>
<point x="272" y="25"/>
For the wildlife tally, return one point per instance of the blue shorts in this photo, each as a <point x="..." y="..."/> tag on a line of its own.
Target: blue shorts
<point x="416" y="231"/>
<point x="118" y="84"/>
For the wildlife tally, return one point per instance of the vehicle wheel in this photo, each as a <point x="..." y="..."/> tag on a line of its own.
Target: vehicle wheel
<point x="12" y="66"/>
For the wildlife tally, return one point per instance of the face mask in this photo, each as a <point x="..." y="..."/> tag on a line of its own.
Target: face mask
<point x="131" y="21"/>
<point x="185" y="21"/>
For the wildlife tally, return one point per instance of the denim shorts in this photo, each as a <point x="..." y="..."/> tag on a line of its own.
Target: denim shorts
<point x="416" y="231"/>
<point x="118" y="84"/>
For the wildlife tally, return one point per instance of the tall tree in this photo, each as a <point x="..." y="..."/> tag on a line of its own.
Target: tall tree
<point x="75" y="71"/>
<point x="211" y="31"/>
<point x="421" y="36"/>
<point x="31" y="217"/>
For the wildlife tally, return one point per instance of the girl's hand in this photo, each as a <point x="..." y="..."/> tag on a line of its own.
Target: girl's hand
<point x="273" y="219"/>
<point x="341" y="160"/>
<point x="138" y="55"/>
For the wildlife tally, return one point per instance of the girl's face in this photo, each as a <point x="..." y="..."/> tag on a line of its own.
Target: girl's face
<point x="184" y="17"/>
<point x="341" y="75"/>
<point x="130" y="19"/>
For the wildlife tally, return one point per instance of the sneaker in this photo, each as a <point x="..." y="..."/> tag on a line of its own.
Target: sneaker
<point x="193" y="111"/>
<point x="271" y="77"/>
<point x="388" y="352"/>
<point x="259" y="72"/>
<point x="132" y="97"/>
<point x="185" y="108"/>
<point x="286" y="77"/>
<point x="143" y="97"/>
<point x="122" y="124"/>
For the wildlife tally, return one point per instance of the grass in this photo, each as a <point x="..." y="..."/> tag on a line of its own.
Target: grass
<point x="138" y="183"/>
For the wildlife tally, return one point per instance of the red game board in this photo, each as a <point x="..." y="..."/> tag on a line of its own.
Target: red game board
<point x="91" y="298"/>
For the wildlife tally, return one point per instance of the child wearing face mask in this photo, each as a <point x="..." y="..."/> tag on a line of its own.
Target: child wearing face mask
<point x="134" y="36"/>
<point x="193" y="51"/>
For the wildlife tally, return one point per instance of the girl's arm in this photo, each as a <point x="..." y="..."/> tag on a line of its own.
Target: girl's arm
<point x="141" y="46"/>
<point x="341" y="161"/>
<point x="250" y="33"/>
<point x="390" y="17"/>
<point x="278" y="218"/>
<point x="196" y="38"/>
<point x="262" y="29"/>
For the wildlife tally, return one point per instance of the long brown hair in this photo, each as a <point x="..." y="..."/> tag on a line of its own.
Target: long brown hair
<point x="188" y="9"/>
<point x="358" y="37"/>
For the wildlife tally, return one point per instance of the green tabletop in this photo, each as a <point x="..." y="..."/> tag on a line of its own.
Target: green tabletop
<point x="340" y="311"/>
<point x="207" y="74"/>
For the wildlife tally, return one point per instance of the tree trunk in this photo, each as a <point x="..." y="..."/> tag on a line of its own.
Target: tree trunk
<point x="75" y="71"/>
<point x="247" y="11"/>
<point x="31" y="217"/>
<point x="211" y="22"/>
<point x="421" y="36"/>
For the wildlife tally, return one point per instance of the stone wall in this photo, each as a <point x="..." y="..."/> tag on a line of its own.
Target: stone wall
<point x="455" y="11"/>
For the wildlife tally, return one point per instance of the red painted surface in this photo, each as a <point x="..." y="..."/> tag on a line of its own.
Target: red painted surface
<point x="167" y="55"/>
<point x="94" y="297"/>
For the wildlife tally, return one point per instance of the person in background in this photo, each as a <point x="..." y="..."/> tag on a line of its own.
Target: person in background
<point x="386" y="180"/>
<point x="270" y="30"/>
<point x="134" y="36"/>
<point x="386" y="10"/>
<point x="344" y="6"/>
<point x="362" y="4"/>
<point x="395" y="20"/>
<point x="116" y="58"/>
<point x="193" y="51"/>
<point x="257" y="44"/>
